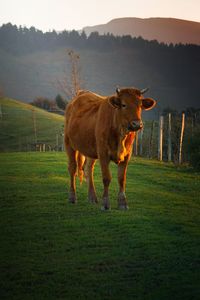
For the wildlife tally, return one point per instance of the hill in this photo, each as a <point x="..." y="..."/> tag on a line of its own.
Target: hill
<point x="173" y="81"/>
<point x="51" y="249"/>
<point x="22" y="125"/>
<point x="166" y="30"/>
<point x="31" y="62"/>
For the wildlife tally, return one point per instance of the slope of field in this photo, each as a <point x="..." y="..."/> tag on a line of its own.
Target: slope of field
<point x="51" y="249"/>
<point x="22" y="124"/>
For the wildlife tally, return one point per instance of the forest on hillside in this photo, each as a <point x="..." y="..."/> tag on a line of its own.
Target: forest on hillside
<point x="22" y="40"/>
<point x="31" y="59"/>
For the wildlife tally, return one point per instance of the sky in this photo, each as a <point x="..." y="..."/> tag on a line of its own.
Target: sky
<point x="76" y="14"/>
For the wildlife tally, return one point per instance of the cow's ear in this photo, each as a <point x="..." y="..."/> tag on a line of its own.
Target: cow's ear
<point x="115" y="102"/>
<point x="148" y="103"/>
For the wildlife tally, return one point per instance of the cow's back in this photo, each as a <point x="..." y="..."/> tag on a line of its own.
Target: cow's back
<point x="80" y="121"/>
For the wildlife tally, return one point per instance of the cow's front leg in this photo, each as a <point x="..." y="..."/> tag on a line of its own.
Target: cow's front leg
<point x="88" y="170"/>
<point x="72" y="166"/>
<point x="122" y="168"/>
<point x="106" y="176"/>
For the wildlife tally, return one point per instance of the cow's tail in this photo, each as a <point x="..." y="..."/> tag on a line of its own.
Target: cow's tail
<point x="80" y="160"/>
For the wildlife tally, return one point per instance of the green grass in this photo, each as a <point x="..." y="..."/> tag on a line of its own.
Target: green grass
<point x="17" y="131"/>
<point x="51" y="249"/>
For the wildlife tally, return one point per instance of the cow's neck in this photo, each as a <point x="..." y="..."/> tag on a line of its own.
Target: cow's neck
<point x="121" y="129"/>
<point x="125" y="140"/>
<point x="119" y="138"/>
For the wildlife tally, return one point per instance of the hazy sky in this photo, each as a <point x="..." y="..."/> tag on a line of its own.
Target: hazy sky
<point x="75" y="14"/>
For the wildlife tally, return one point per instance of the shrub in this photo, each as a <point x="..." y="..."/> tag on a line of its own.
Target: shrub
<point x="194" y="151"/>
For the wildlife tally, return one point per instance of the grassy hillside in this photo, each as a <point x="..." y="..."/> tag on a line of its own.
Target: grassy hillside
<point x="17" y="131"/>
<point x="19" y="121"/>
<point x="17" y="128"/>
<point x="51" y="249"/>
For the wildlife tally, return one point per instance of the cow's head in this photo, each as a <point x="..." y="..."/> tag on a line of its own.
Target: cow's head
<point x="129" y="103"/>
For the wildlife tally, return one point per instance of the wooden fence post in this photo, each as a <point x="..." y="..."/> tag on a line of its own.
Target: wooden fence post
<point x="34" y="124"/>
<point x="160" y="139"/>
<point x="169" y="138"/>
<point x="181" y="138"/>
<point x="151" y="139"/>
<point x="57" y="142"/>
<point x="1" y="115"/>
<point x="141" y="141"/>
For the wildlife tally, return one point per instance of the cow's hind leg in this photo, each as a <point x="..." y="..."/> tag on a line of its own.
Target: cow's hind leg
<point x="88" y="171"/>
<point x="72" y="167"/>
<point x="106" y="175"/>
<point x="122" y="168"/>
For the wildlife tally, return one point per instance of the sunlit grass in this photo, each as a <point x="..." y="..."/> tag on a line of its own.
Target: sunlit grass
<point x="51" y="249"/>
<point x="17" y="129"/>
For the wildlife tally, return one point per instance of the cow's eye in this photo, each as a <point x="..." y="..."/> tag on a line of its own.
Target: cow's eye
<point x="123" y="105"/>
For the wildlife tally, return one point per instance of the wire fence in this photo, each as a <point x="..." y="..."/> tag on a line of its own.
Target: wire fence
<point x="31" y="130"/>
<point x="167" y="138"/>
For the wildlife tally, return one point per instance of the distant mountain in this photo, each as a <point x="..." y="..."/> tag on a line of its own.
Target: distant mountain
<point x="167" y="30"/>
<point x="32" y="63"/>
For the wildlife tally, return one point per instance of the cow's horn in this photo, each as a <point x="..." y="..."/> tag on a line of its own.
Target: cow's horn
<point x="117" y="90"/>
<point x="144" y="90"/>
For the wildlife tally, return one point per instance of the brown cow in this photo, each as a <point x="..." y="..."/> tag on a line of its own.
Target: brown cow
<point x="103" y="128"/>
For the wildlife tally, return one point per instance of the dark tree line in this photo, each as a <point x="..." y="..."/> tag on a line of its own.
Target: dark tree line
<point x="21" y="40"/>
<point x="178" y="64"/>
<point x="54" y="105"/>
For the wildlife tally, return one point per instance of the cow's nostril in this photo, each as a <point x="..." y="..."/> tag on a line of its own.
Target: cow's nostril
<point x="137" y="124"/>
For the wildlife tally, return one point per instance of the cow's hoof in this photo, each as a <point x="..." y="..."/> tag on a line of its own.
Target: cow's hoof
<point x="72" y="198"/>
<point x="122" y="203"/>
<point x="106" y="204"/>
<point x="103" y="208"/>
<point x="92" y="199"/>
<point x="73" y="201"/>
<point x="123" y="207"/>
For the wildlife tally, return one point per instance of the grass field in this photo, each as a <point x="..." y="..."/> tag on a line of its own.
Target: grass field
<point x="51" y="249"/>
<point x="21" y="124"/>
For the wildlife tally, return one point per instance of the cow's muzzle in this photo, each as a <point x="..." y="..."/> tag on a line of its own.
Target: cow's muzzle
<point x="135" y="125"/>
